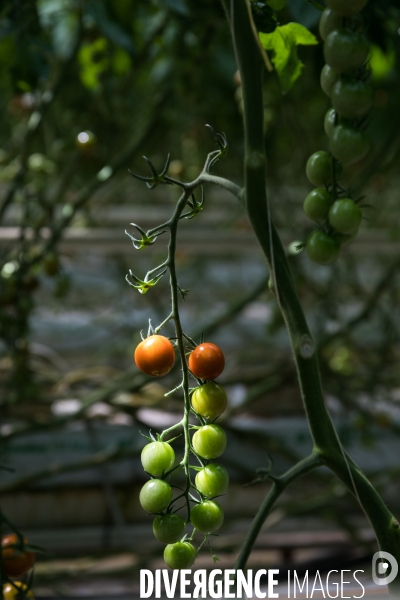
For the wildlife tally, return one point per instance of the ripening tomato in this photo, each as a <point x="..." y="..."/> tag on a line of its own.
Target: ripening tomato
<point x="209" y="441"/>
<point x="346" y="8"/>
<point x="207" y="516"/>
<point x="348" y="144"/>
<point x="317" y="205"/>
<point x="155" y="356"/>
<point x="351" y="97"/>
<point x="330" y="20"/>
<point x="169" y="528"/>
<point x="16" y="560"/>
<point x="180" y="555"/>
<point x="212" y="480"/>
<point x="11" y="593"/>
<point x="345" y="216"/>
<point x="328" y="79"/>
<point x="157" y="458"/>
<point x="322" y="248"/>
<point x="345" y="50"/>
<point x="155" y="495"/>
<point x="209" y="400"/>
<point x="206" y="361"/>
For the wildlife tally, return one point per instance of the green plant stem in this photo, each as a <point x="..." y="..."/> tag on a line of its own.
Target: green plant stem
<point x="326" y="441"/>
<point x="278" y="486"/>
<point x="173" y="224"/>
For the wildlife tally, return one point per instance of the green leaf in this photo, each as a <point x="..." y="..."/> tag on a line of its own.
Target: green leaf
<point x="283" y="42"/>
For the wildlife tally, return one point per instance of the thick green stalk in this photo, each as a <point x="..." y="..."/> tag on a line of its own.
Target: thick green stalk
<point x="326" y="441"/>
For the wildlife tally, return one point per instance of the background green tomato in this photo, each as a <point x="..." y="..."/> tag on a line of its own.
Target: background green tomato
<point x="155" y="495"/>
<point x="330" y="20"/>
<point x="328" y="79"/>
<point x="276" y="4"/>
<point x="322" y="248"/>
<point x="180" y="555"/>
<point x="345" y="216"/>
<point x="212" y="480"/>
<point x="207" y="516"/>
<point x="345" y="50"/>
<point x="317" y="205"/>
<point x="346" y="8"/>
<point x="209" y="441"/>
<point x="351" y="98"/>
<point x="157" y="458"/>
<point x="348" y="144"/>
<point x="168" y="528"/>
<point x="209" y="400"/>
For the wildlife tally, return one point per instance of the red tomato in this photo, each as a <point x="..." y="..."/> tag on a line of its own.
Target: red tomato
<point x="16" y="560"/>
<point x="207" y="361"/>
<point x="155" y="356"/>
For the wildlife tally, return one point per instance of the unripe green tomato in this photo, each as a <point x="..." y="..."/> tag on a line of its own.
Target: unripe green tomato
<point x="349" y="145"/>
<point x="168" y="528"/>
<point x="330" y="121"/>
<point x="317" y="204"/>
<point x="155" y="495"/>
<point x="351" y="97"/>
<point x="346" y="8"/>
<point x="330" y="21"/>
<point x="212" y="480"/>
<point x="345" y="50"/>
<point x="276" y="4"/>
<point x="345" y="216"/>
<point x="319" y="168"/>
<point x="180" y="555"/>
<point x="209" y="400"/>
<point x="207" y="516"/>
<point x="157" y="458"/>
<point x="209" y="441"/>
<point x="322" y="248"/>
<point x="328" y="79"/>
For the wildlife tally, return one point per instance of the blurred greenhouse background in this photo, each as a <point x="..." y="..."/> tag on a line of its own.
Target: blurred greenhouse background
<point x="88" y="87"/>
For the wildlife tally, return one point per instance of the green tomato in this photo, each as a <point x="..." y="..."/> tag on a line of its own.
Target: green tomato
<point x="346" y="8"/>
<point x="317" y="205"/>
<point x="330" y="121"/>
<point x="155" y="495"/>
<point x="351" y="98"/>
<point x="180" y="555"/>
<point x="345" y="50"/>
<point x="207" y="516"/>
<point x="209" y="441"/>
<point x="328" y="79"/>
<point x="319" y="168"/>
<point x="345" y="216"/>
<point x="212" y="480"/>
<point x="276" y="4"/>
<point x="349" y="145"/>
<point x="209" y="400"/>
<point x="168" y="528"/>
<point x="157" y="458"/>
<point x="322" y="248"/>
<point x="330" y="21"/>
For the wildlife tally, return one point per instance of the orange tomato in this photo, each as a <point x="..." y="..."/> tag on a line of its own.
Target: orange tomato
<point x="155" y="356"/>
<point x="16" y="560"/>
<point x="207" y="361"/>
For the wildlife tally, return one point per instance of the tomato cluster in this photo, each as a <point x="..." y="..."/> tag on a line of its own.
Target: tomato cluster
<point x="155" y="356"/>
<point x="344" y="80"/>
